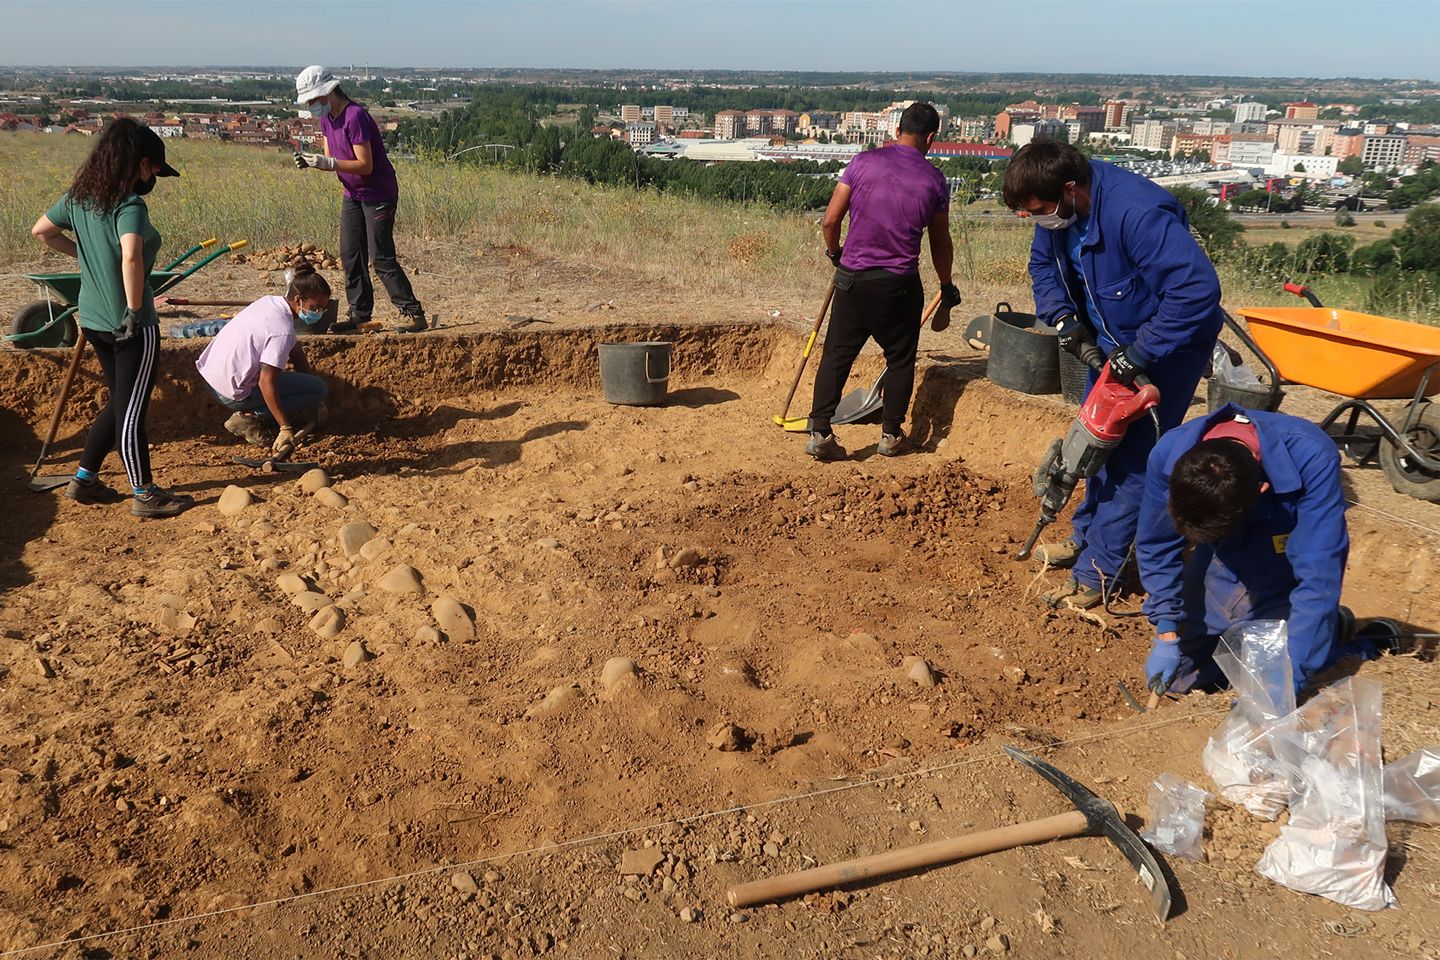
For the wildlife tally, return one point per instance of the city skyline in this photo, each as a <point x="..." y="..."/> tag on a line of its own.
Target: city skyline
<point x="1162" y="37"/>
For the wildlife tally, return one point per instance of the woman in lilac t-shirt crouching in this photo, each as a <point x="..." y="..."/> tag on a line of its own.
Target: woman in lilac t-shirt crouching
<point x="356" y="154"/>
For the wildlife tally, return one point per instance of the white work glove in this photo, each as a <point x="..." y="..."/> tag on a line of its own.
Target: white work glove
<point x="317" y="160"/>
<point x="284" y="444"/>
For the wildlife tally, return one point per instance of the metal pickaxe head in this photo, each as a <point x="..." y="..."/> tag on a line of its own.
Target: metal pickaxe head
<point x="1104" y="820"/>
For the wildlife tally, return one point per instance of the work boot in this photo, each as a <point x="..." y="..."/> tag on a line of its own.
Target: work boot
<point x="411" y="322"/>
<point x="92" y="491"/>
<point x="351" y="324"/>
<point x="822" y="446"/>
<point x="1060" y="556"/>
<point x="248" y="427"/>
<point x="893" y="444"/>
<point x="156" y="502"/>
<point x="1073" y="593"/>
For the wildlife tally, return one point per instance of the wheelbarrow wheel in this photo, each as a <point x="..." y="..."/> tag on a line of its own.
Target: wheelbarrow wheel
<point x="34" y="316"/>
<point x="1406" y="476"/>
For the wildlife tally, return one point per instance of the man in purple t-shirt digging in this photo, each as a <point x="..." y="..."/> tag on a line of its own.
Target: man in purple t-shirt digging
<point x="356" y="154"/>
<point x="893" y="195"/>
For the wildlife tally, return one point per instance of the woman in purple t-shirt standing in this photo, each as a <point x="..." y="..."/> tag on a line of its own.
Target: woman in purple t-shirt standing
<point x="355" y="152"/>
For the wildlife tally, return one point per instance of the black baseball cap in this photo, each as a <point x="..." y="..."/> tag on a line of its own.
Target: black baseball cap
<point x="150" y="146"/>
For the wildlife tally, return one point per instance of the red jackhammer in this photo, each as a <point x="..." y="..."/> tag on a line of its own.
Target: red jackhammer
<point x="1108" y="410"/>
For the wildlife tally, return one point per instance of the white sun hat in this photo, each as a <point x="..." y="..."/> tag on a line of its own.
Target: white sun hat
<point x="314" y="81"/>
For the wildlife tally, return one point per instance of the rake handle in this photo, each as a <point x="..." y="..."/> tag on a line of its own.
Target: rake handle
<point x="75" y="357"/>
<point x="1058" y="827"/>
<point x="809" y="345"/>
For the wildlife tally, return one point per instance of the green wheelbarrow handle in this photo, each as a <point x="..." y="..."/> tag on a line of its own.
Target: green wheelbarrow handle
<point x="29" y="334"/>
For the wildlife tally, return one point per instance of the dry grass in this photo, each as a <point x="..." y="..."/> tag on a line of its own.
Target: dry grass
<point x="704" y="248"/>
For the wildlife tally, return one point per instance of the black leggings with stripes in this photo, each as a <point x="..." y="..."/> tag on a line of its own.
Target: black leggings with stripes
<point x="130" y="374"/>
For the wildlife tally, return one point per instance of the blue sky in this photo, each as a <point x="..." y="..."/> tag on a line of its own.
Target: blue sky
<point x="1364" y="38"/>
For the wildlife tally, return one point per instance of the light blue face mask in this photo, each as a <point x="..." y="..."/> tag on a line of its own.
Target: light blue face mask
<point x="310" y="317"/>
<point x="319" y="108"/>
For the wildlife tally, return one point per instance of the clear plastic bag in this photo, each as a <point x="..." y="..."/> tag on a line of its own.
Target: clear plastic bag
<point x="1177" y="817"/>
<point x="1255" y="658"/>
<point x="1334" y="845"/>
<point x="1412" y="787"/>
<point x="1229" y="368"/>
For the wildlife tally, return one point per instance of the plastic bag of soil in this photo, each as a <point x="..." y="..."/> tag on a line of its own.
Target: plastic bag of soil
<point x="1177" y="818"/>
<point x="1334" y="845"/>
<point x="1255" y="658"/>
<point x="1412" y="787"/>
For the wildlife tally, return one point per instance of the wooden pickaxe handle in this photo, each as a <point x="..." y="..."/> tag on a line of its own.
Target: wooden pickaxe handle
<point x="75" y="357"/>
<point x="1058" y="827"/>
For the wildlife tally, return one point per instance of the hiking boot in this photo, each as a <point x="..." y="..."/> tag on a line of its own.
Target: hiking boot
<point x="158" y="502"/>
<point x="1073" y="593"/>
<point x="893" y="444"/>
<point x="248" y="427"/>
<point x="822" y="446"/>
<point x="1060" y="556"/>
<point x="411" y="322"/>
<point x="92" y="491"/>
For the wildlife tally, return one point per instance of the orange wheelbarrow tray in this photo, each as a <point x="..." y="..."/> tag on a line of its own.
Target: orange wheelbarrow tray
<point x="1361" y="357"/>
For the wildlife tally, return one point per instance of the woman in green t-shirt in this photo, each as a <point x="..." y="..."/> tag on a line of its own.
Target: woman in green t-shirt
<point x="116" y="247"/>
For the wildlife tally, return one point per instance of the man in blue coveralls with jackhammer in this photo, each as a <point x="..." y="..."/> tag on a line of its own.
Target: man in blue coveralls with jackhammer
<point x="1256" y="498"/>
<point x="1113" y="263"/>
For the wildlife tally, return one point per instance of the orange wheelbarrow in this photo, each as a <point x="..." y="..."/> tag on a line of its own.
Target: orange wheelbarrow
<point x="1363" y="358"/>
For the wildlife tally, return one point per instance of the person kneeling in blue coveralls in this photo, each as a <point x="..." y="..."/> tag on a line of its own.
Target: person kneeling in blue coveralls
<point x="1243" y="519"/>
<point x="1113" y="263"/>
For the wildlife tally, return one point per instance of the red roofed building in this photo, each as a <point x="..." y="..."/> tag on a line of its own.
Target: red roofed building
<point x="982" y="151"/>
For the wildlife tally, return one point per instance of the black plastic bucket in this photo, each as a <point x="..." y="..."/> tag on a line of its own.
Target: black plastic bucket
<point x="1023" y="356"/>
<point x="635" y="374"/>
<point x="1217" y="394"/>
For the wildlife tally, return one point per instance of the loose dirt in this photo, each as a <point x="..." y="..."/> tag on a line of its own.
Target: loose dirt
<point x="540" y="651"/>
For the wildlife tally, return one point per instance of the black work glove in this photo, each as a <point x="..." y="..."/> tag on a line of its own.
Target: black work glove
<point x="128" y="325"/>
<point x="1125" y="366"/>
<point x="949" y="296"/>
<point x="1074" y="335"/>
<point x="835" y="257"/>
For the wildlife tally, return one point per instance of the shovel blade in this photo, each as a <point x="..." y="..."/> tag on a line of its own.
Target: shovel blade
<point x="859" y="403"/>
<point x="42" y="484"/>
<point x="792" y="424"/>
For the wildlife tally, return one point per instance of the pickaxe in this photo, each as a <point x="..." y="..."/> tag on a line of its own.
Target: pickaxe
<point x="1093" y="816"/>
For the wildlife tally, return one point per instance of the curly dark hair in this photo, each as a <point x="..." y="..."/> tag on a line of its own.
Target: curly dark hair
<point x="1213" y="488"/>
<point x="108" y="175"/>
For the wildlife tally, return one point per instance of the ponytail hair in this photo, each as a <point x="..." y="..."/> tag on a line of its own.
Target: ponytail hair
<point x="305" y="282"/>
<point x="109" y="173"/>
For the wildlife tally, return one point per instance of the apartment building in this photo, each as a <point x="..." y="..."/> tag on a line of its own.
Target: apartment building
<point x="1250" y="112"/>
<point x="630" y="113"/>
<point x="641" y="133"/>
<point x="729" y="124"/>
<point x="1152" y="134"/>
<point x="1302" y="110"/>
<point x="1117" y="115"/>
<point x="757" y="123"/>
<point x="1383" y="152"/>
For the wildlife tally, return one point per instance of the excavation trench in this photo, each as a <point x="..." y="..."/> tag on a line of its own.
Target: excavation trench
<point x="768" y="603"/>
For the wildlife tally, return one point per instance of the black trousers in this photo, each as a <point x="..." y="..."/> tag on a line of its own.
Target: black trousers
<point x="129" y="370"/>
<point x="878" y="304"/>
<point x="367" y="237"/>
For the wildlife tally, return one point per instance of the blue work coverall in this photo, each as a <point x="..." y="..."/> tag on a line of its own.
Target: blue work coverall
<point x="1142" y="281"/>
<point x="1285" y="563"/>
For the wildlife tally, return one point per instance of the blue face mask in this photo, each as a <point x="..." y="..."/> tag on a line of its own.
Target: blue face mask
<point x="310" y="317"/>
<point x="318" y="109"/>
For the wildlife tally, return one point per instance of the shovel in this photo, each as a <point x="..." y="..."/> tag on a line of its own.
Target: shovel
<point x="38" y="483"/>
<point x="801" y="424"/>
<point x="861" y="403"/>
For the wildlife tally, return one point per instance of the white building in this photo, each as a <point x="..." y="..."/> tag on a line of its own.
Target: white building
<point x="641" y="133"/>
<point x="1246" y="112"/>
<point x="1023" y="133"/>
<point x="1313" y="167"/>
<point x="1251" y="153"/>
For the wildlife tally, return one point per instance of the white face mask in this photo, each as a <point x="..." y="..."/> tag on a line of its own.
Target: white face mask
<point x="318" y="109"/>
<point x="1053" y="221"/>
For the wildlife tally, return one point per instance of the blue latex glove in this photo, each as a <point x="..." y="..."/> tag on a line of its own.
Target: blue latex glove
<point x="1163" y="664"/>
<point x="1125" y="366"/>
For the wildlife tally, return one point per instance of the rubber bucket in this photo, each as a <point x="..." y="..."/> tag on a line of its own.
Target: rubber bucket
<point x="635" y="374"/>
<point x="1023" y="355"/>
<point x="1074" y="376"/>
<point x="1218" y="394"/>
